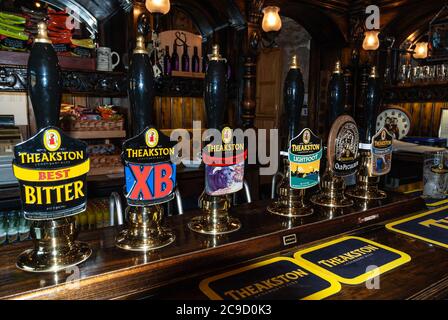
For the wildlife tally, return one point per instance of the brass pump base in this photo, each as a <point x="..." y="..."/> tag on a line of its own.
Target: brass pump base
<point x="290" y="202"/>
<point x="217" y="220"/>
<point x="54" y="247"/>
<point x="144" y="231"/>
<point x="366" y="184"/>
<point x="331" y="192"/>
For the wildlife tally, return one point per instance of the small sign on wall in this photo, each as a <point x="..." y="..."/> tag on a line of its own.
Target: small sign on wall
<point x="180" y="37"/>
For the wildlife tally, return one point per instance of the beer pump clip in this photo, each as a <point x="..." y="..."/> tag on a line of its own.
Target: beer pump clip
<point x="149" y="173"/>
<point x="376" y="147"/>
<point x="51" y="168"/>
<point x="342" y="149"/>
<point x="302" y="161"/>
<point x="342" y="161"/>
<point x="224" y="159"/>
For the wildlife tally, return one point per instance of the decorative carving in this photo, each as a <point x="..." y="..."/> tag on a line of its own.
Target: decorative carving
<point x="95" y="83"/>
<point x="179" y="87"/>
<point x="357" y="28"/>
<point x="254" y="12"/>
<point x="14" y="78"/>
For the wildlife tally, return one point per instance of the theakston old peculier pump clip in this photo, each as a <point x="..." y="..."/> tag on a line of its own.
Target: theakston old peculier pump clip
<point x="302" y="161"/>
<point x="342" y="148"/>
<point x="224" y="171"/>
<point x="149" y="173"/>
<point x="376" y="147"/>
<point x="51" y="169"/>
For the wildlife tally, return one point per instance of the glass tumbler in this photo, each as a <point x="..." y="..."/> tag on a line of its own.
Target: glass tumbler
<point x="435" y="174"/>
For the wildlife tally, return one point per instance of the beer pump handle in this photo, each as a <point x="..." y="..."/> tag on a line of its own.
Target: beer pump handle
<point x="215" y="89"/>
<point x="372" y="104"/>
<point x="141" y="87"/>
<point x="44" y="80"/>
<point x="336" y="89"/>
<point x="293" y="95"/>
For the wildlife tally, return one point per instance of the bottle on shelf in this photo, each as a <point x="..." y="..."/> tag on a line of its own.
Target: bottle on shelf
<point x="167" y="62"/>
<point x="195" y="64"/>
<point x="185" y="59"/>
<point x="175" y="59"/>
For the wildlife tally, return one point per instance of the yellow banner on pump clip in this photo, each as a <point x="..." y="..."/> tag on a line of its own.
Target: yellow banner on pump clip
<point x="60" y="174"/>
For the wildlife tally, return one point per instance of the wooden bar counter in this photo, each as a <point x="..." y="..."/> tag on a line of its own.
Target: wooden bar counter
<point x="111" y="273"/>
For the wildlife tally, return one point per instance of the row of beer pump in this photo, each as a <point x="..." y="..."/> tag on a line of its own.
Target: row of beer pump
<point x="366" y="154"/>
<point x="52" y="167"/>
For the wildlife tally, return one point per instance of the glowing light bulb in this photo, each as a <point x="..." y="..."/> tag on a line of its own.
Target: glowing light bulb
<point x="158" y="6"/>
<point x="371" y="41"/>
<point x="421" y="50"/>
<point x="271" y="19"/>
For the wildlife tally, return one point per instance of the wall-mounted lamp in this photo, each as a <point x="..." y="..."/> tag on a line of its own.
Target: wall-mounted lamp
<point x="271" y="19"/>
<point x="271" y="25"/>
<point x="421" y="50"/>
<point x="371" y="41"/>
<point x="158" y="6"/>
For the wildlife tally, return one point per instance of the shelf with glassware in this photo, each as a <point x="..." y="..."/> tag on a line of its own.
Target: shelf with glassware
<point x="419" y="82"/>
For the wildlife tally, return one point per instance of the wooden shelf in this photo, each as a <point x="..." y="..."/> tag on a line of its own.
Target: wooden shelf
<point x="97" y="134"/>
<point x="66" y="62"/>
<point x="105" y="171"/>
<point x="197" y="75"/>
<point x="416" y="92"/>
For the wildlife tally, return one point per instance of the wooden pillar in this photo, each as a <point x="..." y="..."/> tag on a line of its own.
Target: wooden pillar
<point x="249" y="102"/>
<point x="251" y="49"/>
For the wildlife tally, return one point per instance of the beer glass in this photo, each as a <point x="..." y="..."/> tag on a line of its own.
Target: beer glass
<point x="435" y="175"/>
<point x="3" y="227"/>
<point x="24" y="227"/>
<point x="13" y="226"/>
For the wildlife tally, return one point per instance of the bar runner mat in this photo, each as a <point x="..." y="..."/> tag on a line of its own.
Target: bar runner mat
<point x="277" y="278"/>
<point x="351" y="260"/>
<point x="429" y="202"/>
<point x="430" y="226"/>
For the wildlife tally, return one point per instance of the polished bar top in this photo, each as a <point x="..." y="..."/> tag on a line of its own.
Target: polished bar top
<point x="111" y="273"/>
<point x="424" y="277"/>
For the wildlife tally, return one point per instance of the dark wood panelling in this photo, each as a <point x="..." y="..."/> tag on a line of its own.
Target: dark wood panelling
<point x="178" y="112"/>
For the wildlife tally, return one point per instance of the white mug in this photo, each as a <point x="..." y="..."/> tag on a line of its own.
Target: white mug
<point x="104" y="57"/>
